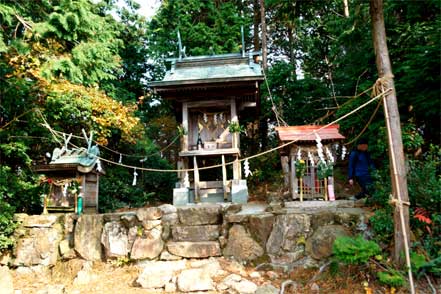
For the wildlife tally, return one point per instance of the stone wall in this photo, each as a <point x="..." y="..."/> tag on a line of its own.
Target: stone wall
<point x="293" y="235"/>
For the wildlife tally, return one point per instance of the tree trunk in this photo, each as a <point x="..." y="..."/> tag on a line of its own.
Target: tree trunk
<point x="396" y="154"/>
<point x="263" y="22"/>
<point x="346" y="7"/>
<point x="256" y="22"/>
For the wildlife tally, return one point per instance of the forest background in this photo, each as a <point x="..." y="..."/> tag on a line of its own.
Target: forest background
<point x="86" y="65"/>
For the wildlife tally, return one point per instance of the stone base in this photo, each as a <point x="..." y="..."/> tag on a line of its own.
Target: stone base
<point x="239" y="191"/>
<point x="181" y="196"/>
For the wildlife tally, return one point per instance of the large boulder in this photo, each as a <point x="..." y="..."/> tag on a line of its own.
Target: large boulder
<point x="288" y="229"/>
<point x="241" y="245"/>
<point x="88" y="236"/>
<point x="194" y="249"/>
<point x="115" y="239"/>
<point x="149" y="213"/>
<point x="41" y="221"/>
<point x="39" y="246"/>
<point x="319" y="245"/>
<point x="195" y="280"/>
<point x="149" y="246"/>
<point x="6" y="284"/>
<point x="261" y="226"/>
<point x="158" y="274"/>
<point x="209" y="214"/>
<point x="195" y="233"/>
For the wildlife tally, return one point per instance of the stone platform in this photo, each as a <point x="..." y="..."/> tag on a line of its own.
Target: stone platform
<point x="281" y="234"/>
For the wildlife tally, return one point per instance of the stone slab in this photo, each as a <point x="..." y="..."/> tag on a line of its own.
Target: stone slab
<point x="205" y="214"/>
<point x="180" y="196"/>
<point x="239" y="192"/>
<point x="88" y="236"/>
<point x="194" y="249"/>
<point x="195" y="233"/>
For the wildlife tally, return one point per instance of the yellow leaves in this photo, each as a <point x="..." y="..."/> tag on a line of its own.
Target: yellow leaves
<point x="107" y="113"/>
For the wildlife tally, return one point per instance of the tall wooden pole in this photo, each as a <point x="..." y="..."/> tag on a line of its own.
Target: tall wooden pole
<point x="396" y="153"/>
<point x="263" y="23"/>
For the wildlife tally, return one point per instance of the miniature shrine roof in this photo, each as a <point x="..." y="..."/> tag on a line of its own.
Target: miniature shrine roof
<point x="307" y="133"/>
<point x="73" y="159"/>
<point x="210" y="69"/>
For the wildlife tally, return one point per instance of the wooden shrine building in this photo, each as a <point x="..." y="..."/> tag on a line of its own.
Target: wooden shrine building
<point x="72" y="173"/>
<point x="210" y="95"/>
<point x="305" y="148"/>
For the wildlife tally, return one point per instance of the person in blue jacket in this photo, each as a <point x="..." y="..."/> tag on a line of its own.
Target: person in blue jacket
<point x="360" y="165"/>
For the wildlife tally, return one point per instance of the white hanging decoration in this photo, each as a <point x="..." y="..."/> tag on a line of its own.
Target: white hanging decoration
<point x="99" y="168"/>
<point x="205" y="118"/>
<point x="336" y="147"/>
<point x="120" y="158"/>
<point x="311" y="159"/>
<point x="135" y="174"/>
<point x="320" y="148"/>
<point x="299" y="154"/>
<point x="246" y="167"/>
<point x="65" y="190"/>
<point x="186" y="180"/>
<point x="221" y="116"/>
<point x="329" y="155"/>
<point x="343" y="152"/>
<point x="215" y="119"/>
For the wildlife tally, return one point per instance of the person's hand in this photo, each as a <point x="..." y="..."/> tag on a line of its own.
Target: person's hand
<point x="351" y="182"/>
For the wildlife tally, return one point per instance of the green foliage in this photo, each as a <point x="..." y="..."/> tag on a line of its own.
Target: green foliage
<point x="300" y="168"/>
<point x="206" y="27"/>
<point x="391" y="278"/>
<point x="324" y="170"/>
<point x="424" y="181"/>
<point x="356" y="250"/>
<point x="121" y="261"/>
<point x="433" y="267"/>
<point x="235" y="127"/>
<point x="382" y="224"/>
<point x="7" y="225"/>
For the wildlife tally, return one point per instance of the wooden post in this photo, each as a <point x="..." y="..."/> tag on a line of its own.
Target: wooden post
<point x="396" y="153"/>
<point x="325" y="187"/>
<point x="224" y="177"/>
<point x="196" y="180"/>
<point x="236" y="169"/>
<point x="234" y="119"/>
<point x="293" y="178"/>
<point x="185" y="126"/>
<point x="284" y="160"/>
<point x="263" y="23"/>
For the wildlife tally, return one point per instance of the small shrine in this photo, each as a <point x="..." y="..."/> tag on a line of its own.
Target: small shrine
<point x="308" y="162"/>
<point x="210" y="95"/>
<point x="72" y="174"/>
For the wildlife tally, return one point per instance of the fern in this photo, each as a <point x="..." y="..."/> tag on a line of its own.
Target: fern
<point x="354" y="250"/>
<point x="391" y="278"/>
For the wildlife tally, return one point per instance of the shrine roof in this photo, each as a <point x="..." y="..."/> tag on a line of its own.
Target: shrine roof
<point x="78" y="158"/>
<point x="211" y="69"/>
<point x="308" y="133"/>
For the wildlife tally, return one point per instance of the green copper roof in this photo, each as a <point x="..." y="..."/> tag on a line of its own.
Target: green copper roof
<point x="84" y="160"/>
<point x="211" y="69"/>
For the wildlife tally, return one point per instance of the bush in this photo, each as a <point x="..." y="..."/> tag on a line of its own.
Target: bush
<point x="424" y="181"/>
<point x="357" y="250"/>
<point x="382" y="224"/>
<point x="7" y="225"/>
<point x="391" y="278"/>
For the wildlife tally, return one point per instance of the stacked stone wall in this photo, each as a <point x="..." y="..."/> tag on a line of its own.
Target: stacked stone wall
<point x="296" y="234"/>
